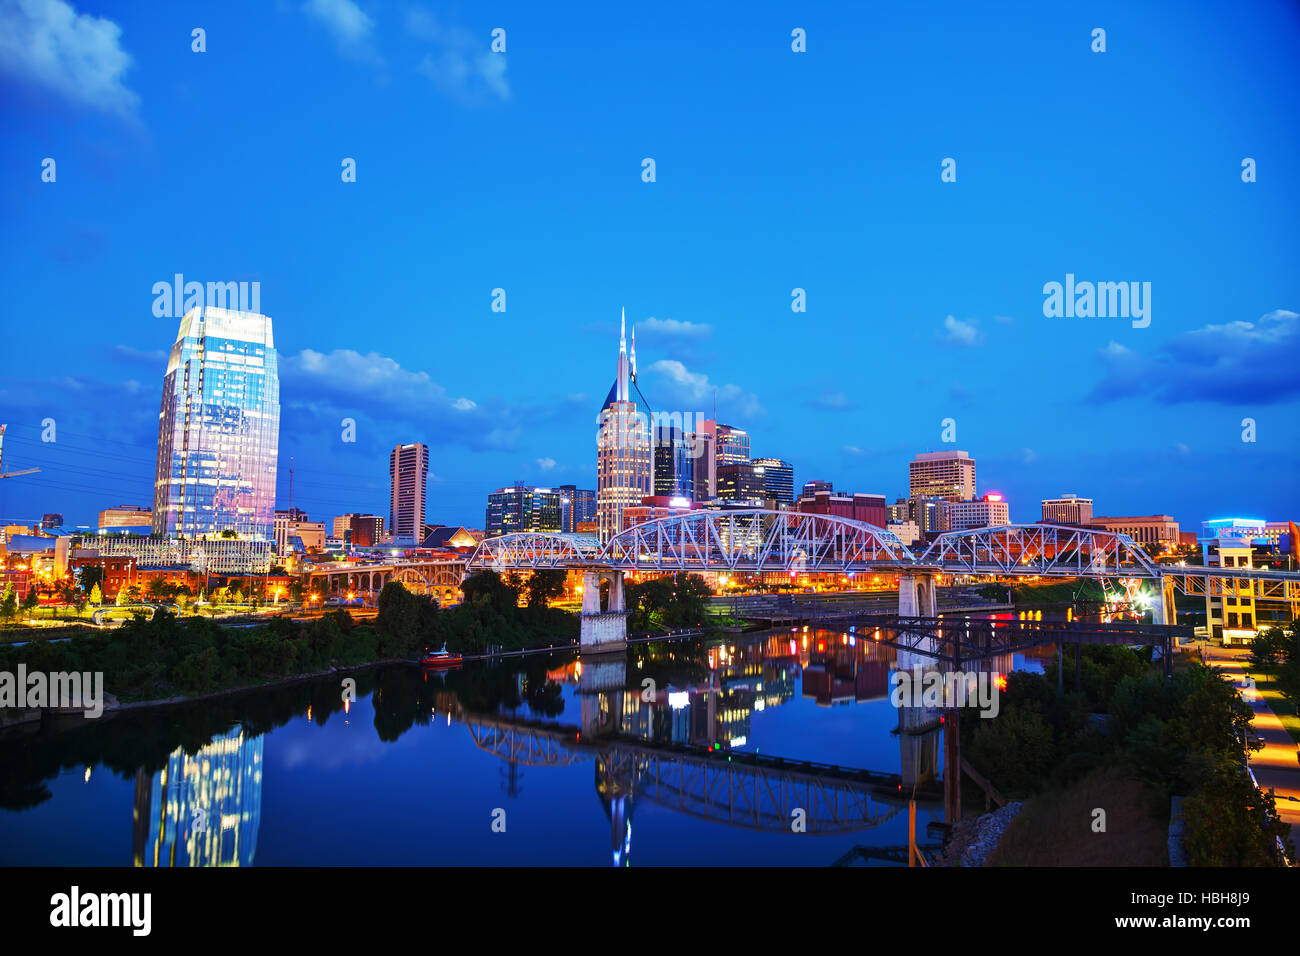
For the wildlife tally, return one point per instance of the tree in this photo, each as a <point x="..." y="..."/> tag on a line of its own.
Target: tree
<point x="89" y="576"/>
<point x="1230" y="822"/>
<point x="157" y="588"/>
<point x="404" y="620"/>
<point x="122" y="596"/>
<point x="545" y="585"/>
<point x="96" y="596"/>
<point x="674" y="602"/>
<point x="30" y="602"/>
<point x="1267" y="648"/>
<point x="489" y="586"/>
<point x="8" y="603"/>
<point x="229" y="533"/>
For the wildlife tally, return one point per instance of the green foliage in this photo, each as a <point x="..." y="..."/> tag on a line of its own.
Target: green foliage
<point x="167" y="657"/>
<point x="1268" y="649"/>
<point x="91" y="577"/>
<point x="501" y="593"/>
<point x="1189" y="736"/>
<point x="675" y="601"/>
<point x="1016" y="748"/>
<point x="8" y="603"/>
<point x="545" y="585"/>
<point x="405" y="620"/>
<point x="1101" y="669"/>
<point x="1230" y="822"/>
<point x="1288" y="670"/>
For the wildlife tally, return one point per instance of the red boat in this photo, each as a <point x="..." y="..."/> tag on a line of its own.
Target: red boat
<point x="440" y="659"/>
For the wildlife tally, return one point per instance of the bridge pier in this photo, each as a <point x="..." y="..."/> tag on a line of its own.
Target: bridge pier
<point x="603" y="630"/>
<point x="917" y="597"/>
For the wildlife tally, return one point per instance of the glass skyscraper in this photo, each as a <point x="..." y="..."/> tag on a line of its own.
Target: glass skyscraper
<point x="218" y="428"/>
<point x="624" y="461"/>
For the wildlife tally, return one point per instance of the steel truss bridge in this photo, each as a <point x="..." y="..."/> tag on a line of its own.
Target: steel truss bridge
<point x="737" y="789"/>
<point x="759" y="541"/>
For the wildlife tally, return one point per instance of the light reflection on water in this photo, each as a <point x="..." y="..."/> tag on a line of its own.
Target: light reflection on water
<point x="663" y="755"/>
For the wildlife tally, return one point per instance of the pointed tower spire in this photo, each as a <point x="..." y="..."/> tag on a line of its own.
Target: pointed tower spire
<point x="632" y="357"/>
<point x="622" y="382"/>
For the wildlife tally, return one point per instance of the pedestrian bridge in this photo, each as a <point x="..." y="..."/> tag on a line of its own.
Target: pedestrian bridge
<point x="758" y="541"/>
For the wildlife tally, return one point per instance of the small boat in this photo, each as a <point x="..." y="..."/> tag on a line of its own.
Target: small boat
<point x="442" y="658"/>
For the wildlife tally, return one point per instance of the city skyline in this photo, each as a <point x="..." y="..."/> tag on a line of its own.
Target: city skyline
<point x="945" y="321"/>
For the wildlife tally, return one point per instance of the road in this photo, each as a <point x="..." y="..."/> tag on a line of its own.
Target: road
<point x="1277" y="766"/>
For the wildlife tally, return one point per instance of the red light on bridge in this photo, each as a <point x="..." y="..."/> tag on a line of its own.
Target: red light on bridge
<point x="1001" y="681"/>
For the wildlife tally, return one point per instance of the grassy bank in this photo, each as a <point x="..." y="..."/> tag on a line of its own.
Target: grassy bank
<point x="1057" y="827"/>
<point x="1146" y="737"/>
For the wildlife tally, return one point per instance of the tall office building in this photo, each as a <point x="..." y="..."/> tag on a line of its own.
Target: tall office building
<point x="624" y="463"/>
<point x="358" y="530"/>
<point x="741" y="483"/>
<point x="942" y="474"/>
<point x="704" y="465"/>
<point x="577" y="508"/>
<point x="778" y="480"/>
<point x="408" y="474"/>
<point x="674" y="462"/>
<point x="1067" y="509"/>
<point x="733" y="445"/>
<point x="218" y="428"/>
<point x="523" y="508"/>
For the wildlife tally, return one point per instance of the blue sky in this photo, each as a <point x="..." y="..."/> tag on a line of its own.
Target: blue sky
<point x="775" y="170"/>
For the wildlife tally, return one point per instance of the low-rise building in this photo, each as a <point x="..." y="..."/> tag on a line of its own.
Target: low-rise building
<point x="1144" y="529"/>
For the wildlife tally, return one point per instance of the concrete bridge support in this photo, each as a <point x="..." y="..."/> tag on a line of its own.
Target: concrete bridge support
<point x="603" y="629"/>
<point x="917" y="597"/>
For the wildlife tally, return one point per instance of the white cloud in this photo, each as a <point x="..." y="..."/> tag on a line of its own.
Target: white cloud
<point x="853" y="450"/>
<point x="77" y="55"/>
<point x="1241" y="363"/>
<point x="461" y="64"/>
<point x="546" y="464"/>
<point x="961" y="333"/>
<point x="351" y="28"/>
<point x="464" y="404"/>
<point x="694" y="389"/>
<point x="675" y="327"/>
<point x="833" y="401"/>
<point x="152" y="357"/>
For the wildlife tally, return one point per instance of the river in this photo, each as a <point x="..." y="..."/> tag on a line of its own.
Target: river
<point x="662" y="755"/>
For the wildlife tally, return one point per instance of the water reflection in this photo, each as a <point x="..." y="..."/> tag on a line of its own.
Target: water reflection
<point x="202" y="809"/>
<point x="690" y="728"/>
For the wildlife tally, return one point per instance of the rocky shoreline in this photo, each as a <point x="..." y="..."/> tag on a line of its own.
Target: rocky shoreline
<point x="974" y="839"/>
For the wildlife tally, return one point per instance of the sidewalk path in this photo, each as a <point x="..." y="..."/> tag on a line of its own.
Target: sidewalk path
<point x="1277" y="766"/>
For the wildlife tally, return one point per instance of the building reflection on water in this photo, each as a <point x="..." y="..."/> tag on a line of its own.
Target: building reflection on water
<point x="201" y="810"/>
